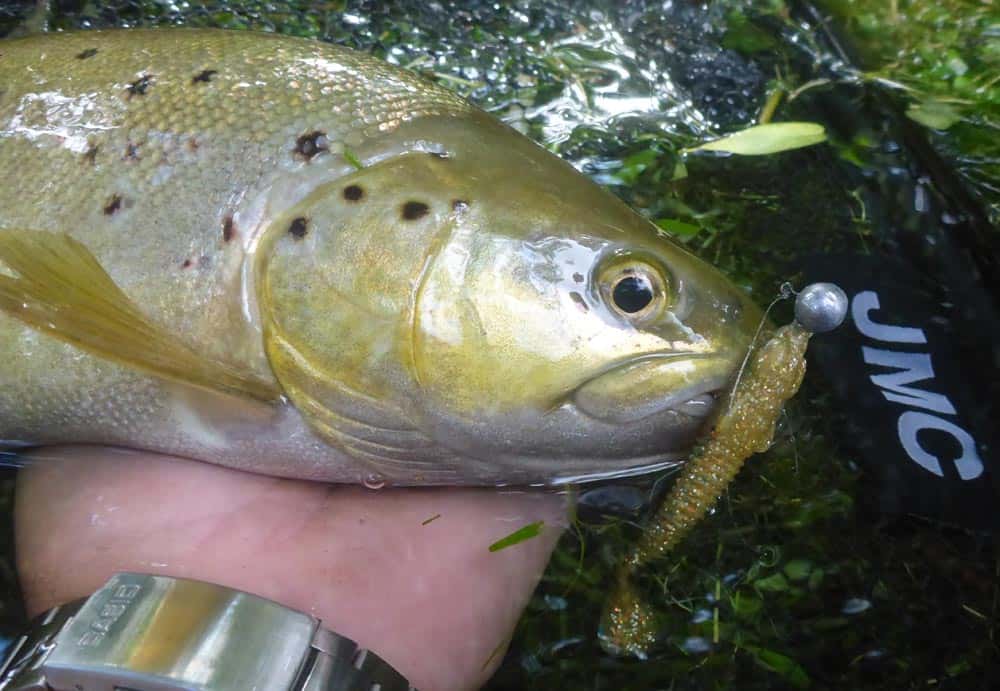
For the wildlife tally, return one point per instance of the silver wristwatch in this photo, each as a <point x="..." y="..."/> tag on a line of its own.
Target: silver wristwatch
<point x="155" y="633"/>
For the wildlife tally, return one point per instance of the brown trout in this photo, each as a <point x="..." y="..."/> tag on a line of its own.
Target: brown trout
<point x="288" y="257"/>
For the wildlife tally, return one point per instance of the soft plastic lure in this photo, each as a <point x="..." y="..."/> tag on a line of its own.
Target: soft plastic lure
<point x="773" y="375"/>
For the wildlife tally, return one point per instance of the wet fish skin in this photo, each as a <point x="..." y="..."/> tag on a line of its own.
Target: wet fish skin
<point x="442" y="315"/>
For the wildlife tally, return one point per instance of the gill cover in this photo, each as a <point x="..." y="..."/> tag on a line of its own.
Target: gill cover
<point x="338" y="278"/>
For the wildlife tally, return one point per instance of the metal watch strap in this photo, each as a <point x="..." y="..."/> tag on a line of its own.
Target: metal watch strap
<point x="20" y="670"/>
<point x="155" y="633"/>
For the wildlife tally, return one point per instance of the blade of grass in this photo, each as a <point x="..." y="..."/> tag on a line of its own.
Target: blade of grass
<point x="520" y="535"/>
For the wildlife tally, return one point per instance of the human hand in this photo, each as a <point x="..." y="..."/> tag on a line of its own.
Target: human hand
<point x="428" y="597"/>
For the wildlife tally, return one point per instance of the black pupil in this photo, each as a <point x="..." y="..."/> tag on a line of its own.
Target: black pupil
<point x="632" y="293"/>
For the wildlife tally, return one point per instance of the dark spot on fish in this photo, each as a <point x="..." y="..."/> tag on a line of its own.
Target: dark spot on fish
<point x="228" y="229"/>
<point x="580" y="302"/>
<point x="414" y="210"/>
<point x="459" y="204"/>
<point x="439" y="154"/>
<point x="186" y="264"/>
<point x="89" y="53"/>
<point x="578" y="277"/>
<point x="139" y="86"/>
<point x="299" y="227"/>
<point x="193" y="144"/>
<point x="203" y="77"/>
<point x="90" y="155"/>
<point x="131" y="152"/>
<point x="353" y="193"/>
<point x="113" y="204"/>
<point x="311" y="144"/>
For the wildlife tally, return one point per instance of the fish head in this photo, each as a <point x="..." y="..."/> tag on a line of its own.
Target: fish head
<point x="510" y="309"/>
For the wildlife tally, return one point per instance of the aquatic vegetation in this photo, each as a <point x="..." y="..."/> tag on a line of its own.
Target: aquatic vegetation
<point x="943" y="60"/>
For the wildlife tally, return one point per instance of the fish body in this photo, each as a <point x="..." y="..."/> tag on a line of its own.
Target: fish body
<point x="329" y="268"/>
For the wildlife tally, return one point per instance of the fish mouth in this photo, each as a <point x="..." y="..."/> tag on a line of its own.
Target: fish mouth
<point x="688" y="384"/>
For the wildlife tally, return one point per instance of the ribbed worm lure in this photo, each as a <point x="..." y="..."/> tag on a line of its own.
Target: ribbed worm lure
<point x="772" y="376"/>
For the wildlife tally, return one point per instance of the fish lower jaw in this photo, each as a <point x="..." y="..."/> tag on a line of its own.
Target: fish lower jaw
<point x="697" y="402"/>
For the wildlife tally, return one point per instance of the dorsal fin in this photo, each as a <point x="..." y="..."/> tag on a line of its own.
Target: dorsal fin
<point x="62" y="290"/>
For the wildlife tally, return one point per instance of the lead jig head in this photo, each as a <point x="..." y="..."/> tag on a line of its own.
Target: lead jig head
<point x="820" y="307"/>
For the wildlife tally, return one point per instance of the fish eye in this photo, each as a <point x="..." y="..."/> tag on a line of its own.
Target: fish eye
<point x="632" y="293"/>
<point x="634" y="289"/>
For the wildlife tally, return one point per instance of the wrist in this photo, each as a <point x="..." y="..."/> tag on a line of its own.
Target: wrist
<point x="167" y="634"/>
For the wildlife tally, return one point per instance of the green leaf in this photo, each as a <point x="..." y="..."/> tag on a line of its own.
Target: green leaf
<point x="746" y="606"/>
<point x="520" y="535"/>
<point x="782" y="665"/>
<point x="640" y="159"/>
<point x="745" y="37"/>
<point x="798" y="569"/>
<point x="353" y="159"/>
<point x="675" y="227"/>
<point x="934" y="114"/>
<point x="771" y="138"/>
<point x="775" y="583"/>
<point x="633" y="166"/>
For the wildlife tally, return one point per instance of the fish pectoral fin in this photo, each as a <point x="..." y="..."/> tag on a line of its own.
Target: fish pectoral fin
<point x="63" y="291"/>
